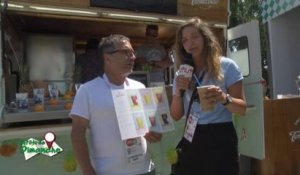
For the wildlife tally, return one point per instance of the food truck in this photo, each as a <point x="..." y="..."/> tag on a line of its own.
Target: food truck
<point x="40" y="41"/>
<point x="281" y="112"/>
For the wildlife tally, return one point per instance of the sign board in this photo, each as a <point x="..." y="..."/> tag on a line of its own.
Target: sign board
<point x="162" y="6"/>
<point x="195" y="2"/>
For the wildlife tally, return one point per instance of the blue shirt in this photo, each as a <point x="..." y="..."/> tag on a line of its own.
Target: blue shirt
<point x="220" y="114"/>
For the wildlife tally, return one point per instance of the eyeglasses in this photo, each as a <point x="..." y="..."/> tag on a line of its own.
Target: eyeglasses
<point x="127" y="52"/>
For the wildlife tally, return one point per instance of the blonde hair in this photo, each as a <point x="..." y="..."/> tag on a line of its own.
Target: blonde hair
<point x="212" y="51"/>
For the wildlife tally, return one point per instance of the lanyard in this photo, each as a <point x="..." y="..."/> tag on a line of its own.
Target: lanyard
<point x="200" y="79"/>
<point x="111" y="86"/>
<point x="194" y="94"/>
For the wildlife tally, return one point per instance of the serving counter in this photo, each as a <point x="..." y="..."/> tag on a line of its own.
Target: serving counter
<point x="64" y="163"/>
<point x="12" y="139"/>
<point x="282" y="138"/>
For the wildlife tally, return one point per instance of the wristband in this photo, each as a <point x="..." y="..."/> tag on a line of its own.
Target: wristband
<point x="228" y="100"/>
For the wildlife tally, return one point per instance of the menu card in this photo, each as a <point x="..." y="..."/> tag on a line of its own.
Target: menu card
<point x="142" y="110"/>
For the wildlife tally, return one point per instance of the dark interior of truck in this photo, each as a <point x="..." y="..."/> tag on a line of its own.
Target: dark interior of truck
<point x="82" y="28"/>
<point x="81" y="21"/>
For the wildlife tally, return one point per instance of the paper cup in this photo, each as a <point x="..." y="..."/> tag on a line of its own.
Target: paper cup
<point x="205" y="105"/>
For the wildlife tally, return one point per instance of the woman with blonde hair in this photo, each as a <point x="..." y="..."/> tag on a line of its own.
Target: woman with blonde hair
<point x="209" y="145"/>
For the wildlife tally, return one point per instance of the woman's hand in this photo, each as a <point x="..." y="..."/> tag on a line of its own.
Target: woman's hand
<point x="214" y="94"/>
<point x="238" y="103"/>
<point x="182" y="83"/>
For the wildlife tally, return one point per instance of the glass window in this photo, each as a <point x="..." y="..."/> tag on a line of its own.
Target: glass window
<point x="51" y="59"/>
<point x="239" y="52"/>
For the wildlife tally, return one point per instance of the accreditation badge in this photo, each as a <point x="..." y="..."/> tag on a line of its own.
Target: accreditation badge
<point x="190" y="128"/>
<point x="134" y="150"/>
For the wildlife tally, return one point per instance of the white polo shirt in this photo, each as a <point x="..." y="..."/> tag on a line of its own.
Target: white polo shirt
<point x="94" y="102"/>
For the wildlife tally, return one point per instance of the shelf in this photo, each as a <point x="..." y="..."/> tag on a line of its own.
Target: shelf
<point x="35" y="116"/>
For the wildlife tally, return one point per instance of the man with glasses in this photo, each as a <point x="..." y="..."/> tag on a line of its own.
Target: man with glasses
<point x="93" y="108"/>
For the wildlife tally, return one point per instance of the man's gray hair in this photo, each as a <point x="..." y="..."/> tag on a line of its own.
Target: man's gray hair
<point x="109" y="44"/>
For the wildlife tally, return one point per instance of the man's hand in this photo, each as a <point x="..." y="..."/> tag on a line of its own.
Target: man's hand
<point x="153" y="137"/>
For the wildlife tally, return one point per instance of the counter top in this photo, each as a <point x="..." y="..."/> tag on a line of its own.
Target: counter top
<point x="32" y="131"/>
<point x="59" y="110"/>
<point x="34" y="116"/>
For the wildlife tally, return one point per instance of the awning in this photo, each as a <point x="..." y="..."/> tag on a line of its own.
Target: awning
<point x="274" y="8"/>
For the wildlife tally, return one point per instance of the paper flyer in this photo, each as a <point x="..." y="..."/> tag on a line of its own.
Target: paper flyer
<point x="141" y="110"/>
